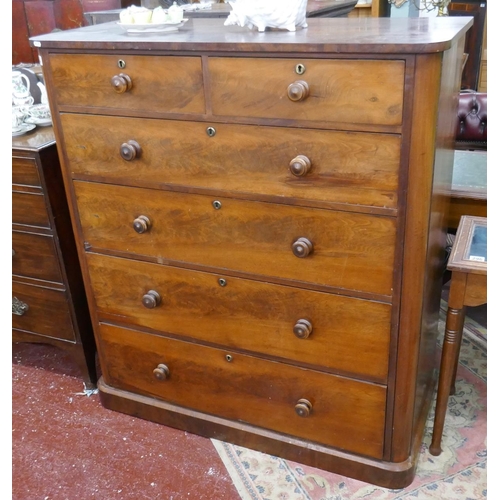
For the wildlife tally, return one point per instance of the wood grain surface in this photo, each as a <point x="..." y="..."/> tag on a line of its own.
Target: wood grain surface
<point x="350" y="168"/>
<point x="352" y="251"/>
<point x="345" y="413"/>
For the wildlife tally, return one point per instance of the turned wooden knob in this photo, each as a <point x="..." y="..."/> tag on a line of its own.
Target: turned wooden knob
<point x="300" y="166"/>
<point x="141" y="224"/>
<point x="302" y="248"/>
<point x="302" y="329"/>
<point x="121" y="83"/>
<point x="161" y="372"/>
<point x="130" y="150"/>
<point x="151" y="299"/>
<point x="303" y="408"/>
<point x="298" y="91"/>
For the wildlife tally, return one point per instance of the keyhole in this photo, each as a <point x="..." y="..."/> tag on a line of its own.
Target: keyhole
<point x="217" y="204"/>
<point x="121" y="63"/>
<point x="210" y="131"/>
<point x="300" y="69"/>
<point x="222" y="282"/>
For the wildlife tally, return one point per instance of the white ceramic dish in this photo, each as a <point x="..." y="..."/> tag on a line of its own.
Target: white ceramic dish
<point x="25" y="128"/>
<point x="41" y="122"/>
<point x="150" y="27"/>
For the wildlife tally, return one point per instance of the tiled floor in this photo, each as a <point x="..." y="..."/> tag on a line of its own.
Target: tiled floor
<point x="66" y="446"/>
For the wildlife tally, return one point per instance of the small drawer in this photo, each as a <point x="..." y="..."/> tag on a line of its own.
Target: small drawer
<point x="362" y="92"/>
<point x="25" y="172"/>
<point x="247" y="389"/>
<point x="29" y="209"/>
<point x="35" y="256"/>
<point x="341" y="334"/>
<point x="320" y="165"/>
<point x="42" y="311"/>
<point x="146" y="84"/>
<point x="326" y="247"/>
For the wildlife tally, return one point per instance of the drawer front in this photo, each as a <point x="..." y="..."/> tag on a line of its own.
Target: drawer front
<point x="29" y="209"/>
<point x="346" y="250"/>
<point x="35" y="257"/>
<point x="47" y="311"/>
<point x="342" y="167"/>
<point x="157" y="83"/>
<point x="351" y="91"/>
<point x="340" y="333"/>
<point x="25" y="172"/>
<point x="248" y="389"/>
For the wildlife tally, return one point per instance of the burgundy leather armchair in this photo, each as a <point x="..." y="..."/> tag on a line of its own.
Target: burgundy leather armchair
<point x="471" y="130"/>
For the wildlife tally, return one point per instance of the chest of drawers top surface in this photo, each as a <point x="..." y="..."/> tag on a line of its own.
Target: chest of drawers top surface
<point x="380" y="35"/>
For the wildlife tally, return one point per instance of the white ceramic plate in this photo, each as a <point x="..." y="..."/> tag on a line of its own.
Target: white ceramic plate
<point x="45" y="122"/>
<point x="151" y="27"/>
<point x="26" y="127"/>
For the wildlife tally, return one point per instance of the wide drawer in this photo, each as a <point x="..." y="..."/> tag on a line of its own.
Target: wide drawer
<point x="157" y="83"/>
<point x="345" y="413"/>
<point x="29" y="209"/>
<point x="25" y="172"/>
<point x="327" y="331"/>
<point x="338" y="249"/>
<point x="35" y="256"/>
<point x="47" y="312"/>
<point x="363" y="92"/>
<point x="339" y="167"/>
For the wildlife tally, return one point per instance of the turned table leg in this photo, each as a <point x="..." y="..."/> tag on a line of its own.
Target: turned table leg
<point x="449" y="360"/>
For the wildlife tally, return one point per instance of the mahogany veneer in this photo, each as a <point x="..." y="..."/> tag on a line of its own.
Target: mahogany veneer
<point x="261" y="222"/>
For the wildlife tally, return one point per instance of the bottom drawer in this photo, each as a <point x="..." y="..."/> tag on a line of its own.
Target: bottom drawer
<point x="343" y="413"/>
<point x="42" y="311"/>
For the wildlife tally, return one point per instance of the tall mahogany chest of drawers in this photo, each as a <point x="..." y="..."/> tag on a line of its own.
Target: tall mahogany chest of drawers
<point x="49" y="304"/>
<point x="260" y="220"/>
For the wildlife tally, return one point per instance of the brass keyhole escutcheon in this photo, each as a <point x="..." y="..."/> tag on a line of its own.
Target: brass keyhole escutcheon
<point x="121" y="63"/>
<point x="222" y="282"/>
<point x="217" y="204"/>
<point x="300" y="69"/>
<point x="229" y="358"/>
<point x="211" y="131"/>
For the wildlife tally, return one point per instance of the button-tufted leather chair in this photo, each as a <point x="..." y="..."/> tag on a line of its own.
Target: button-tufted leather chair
<point x="471" y="123"/>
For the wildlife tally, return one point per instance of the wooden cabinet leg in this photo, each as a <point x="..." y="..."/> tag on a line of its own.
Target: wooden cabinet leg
<point x="449" y="358"/>
<point x="460" y="328"/>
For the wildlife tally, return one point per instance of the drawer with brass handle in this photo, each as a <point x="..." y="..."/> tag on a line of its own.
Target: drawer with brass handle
<point x="41" y="311"/>
<point x="277" y="396"/>
<point x="336" y="249"/>
<point x="327" y="331"/>
<point x="326" y="166"/>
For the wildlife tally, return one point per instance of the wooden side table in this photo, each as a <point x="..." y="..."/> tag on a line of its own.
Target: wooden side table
<point x="467" y="263"/>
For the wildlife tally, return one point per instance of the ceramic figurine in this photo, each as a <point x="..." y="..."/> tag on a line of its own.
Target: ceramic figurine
<point x="262" y="14"/>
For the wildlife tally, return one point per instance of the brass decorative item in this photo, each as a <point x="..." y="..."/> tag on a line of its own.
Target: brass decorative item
<point x="19" y="307"/>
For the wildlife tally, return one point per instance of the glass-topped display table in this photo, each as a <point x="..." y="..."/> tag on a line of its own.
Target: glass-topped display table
<point x="468" y="194"/>
<point x="468" y="266"/>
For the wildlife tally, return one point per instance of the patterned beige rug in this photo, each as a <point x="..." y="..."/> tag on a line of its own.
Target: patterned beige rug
<point x="458" y="473"/>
